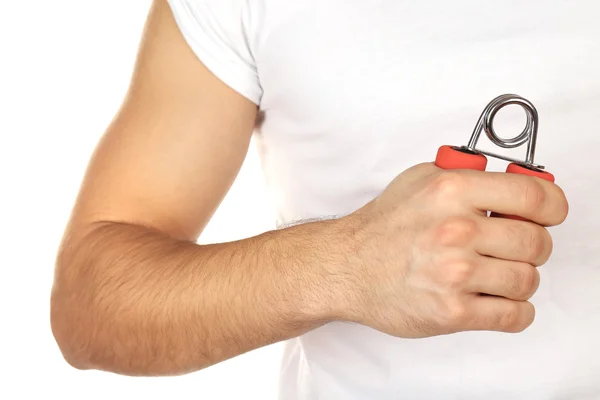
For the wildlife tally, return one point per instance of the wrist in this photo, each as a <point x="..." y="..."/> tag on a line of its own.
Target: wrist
<point x="335" y="253"/>
<point x="315" y="263"/>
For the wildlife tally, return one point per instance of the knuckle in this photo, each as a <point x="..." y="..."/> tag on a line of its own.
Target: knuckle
<point x="515" y="281"/>
<point x="532" y="280"/>
<point x="532" y="243"/>
<point x="536" y="243"/>
<point x="540" y="245"/>
<point x="457" y="273"/>
<point x="519" y="318"/>
<point x="447" y="184"/>
<point x="510" y="318"/>
<point x="525" y="281"/>
<point x="453" y="313"/>
<point x="534" y="197"/>
<point x="456" y="231"/>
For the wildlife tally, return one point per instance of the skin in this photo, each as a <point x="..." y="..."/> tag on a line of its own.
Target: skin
<point x="135" y="295"/>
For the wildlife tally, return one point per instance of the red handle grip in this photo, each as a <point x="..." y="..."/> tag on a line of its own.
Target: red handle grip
<point x="519" y="169"/>
<point x="451" y="157"/>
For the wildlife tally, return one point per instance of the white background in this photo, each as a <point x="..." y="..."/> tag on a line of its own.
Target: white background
<point x="64" y="68"/>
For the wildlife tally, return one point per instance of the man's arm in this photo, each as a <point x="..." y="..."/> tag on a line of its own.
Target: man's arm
<point x="133" y="293"/>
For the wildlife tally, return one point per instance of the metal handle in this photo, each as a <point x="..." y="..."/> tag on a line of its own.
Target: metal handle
<point x="528" y="135"/>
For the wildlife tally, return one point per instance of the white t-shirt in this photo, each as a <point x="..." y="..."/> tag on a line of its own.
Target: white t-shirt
<point x="355" y="92"/>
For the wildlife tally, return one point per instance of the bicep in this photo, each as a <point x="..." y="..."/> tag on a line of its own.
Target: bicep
<point x="176" y="145"/>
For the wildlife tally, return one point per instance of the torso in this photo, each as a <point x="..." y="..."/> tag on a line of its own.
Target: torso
<point x="356" y="92"/>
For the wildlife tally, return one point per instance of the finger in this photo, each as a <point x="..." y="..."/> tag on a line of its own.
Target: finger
<point x="488" y="313"/>
<point x="512" y="280"/>
<point x="513" y="240"/>
<point x="528" y="197"/>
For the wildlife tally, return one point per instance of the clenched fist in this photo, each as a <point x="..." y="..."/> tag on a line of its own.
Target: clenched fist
<point x="425" y="259"/>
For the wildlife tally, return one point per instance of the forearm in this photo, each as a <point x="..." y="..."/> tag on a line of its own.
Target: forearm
<point x="137" y="302"/>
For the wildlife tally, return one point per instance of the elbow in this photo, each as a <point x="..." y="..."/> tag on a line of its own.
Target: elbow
<point x="70" y="334"/>
<point x="88" y="340"/>
<point x="68" y="337"/>
<point x="67" y="305"/>
<point x="73" y="322"/>
<point x="74" y="358"/>
<point x="81" y="336"/>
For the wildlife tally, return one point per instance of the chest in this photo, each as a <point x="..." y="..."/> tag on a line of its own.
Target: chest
<point x="396" y="64"/>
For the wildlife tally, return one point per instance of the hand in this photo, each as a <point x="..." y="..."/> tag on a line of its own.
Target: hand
<point x="426" y="260"/>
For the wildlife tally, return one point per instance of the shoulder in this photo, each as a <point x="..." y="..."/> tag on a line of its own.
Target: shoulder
<point x="220" y="33"/>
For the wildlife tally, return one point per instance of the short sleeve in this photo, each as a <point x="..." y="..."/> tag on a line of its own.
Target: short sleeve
<point x="216" y="32"/>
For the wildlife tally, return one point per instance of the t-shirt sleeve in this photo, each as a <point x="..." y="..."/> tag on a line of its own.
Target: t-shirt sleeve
<point x="216" y="30"/>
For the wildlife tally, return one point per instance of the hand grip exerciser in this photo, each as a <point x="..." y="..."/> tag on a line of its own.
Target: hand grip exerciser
<point x="469" y="157"/>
